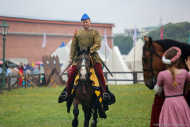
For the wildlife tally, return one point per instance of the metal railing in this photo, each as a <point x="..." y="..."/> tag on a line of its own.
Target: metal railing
<point x="135" y="80"/>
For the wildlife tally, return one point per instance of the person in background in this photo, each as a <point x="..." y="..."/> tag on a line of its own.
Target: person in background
<point x="175" y="110"/>
<point x="1" y="69"/>
<point x="30" y="67"/>
<point x="33" y="64"/>
<point x="20" y="72"/>
<point x="36" y="70"/>
<point x="1" y="66"/>
<point x="9" y="71"/>
<point x="38" y="66"/>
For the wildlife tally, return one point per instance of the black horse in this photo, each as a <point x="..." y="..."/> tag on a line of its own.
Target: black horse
<point x="84" y="92"/>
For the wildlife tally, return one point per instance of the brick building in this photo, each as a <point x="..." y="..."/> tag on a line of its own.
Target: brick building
<point x="25" y="36"/>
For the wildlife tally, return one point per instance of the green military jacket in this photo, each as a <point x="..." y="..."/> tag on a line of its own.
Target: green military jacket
<point x="84" y="39"/>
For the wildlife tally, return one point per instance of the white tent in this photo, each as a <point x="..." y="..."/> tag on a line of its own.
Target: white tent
<point x="101" y="56"/>
<point x="64" y="77"/>
<point x="138" y="58"/>
<point x="116" y="63"/>
<point x="69" y="44"/>
<point x="62" y="52"/>
<point x="17" y="60"/>
<point x="104" y="49"/>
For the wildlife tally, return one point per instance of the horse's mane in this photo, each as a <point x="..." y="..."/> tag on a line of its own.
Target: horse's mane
<point x="86" y="53"/>
<point x="81" y="52"/>
<point x="167" y="43"/>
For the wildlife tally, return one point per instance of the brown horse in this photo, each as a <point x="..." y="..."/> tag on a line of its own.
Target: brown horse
<point x="84" y="92"/>
<point x="152" y="58"/>
<point x="152" y="65"/>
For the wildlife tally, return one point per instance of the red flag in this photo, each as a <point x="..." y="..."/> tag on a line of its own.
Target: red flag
<point x="74" y="32"/>
<point x="161" y="34"/>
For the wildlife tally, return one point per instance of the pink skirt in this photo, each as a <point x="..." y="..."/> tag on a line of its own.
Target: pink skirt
<point x="175" y="113"/>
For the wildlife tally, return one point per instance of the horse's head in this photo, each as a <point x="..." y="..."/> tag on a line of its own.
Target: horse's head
<point x="151" y="62"/>
<point x="83" y="62"/>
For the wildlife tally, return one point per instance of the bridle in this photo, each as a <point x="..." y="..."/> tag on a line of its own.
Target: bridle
<point x="87" y="68"/>
<point x="151" y="50"/>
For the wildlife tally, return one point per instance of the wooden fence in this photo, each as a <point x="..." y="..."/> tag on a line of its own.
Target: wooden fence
<point x="36" y="82"/>
<point x="28" y="77"/>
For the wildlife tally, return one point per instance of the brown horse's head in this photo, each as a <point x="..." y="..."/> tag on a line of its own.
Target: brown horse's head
<point x="83" y="63"/>
<point x="151" y="61"/>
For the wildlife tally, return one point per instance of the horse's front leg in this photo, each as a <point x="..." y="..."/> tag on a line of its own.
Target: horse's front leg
<point x="75" y="112"/>
<point x="88" y="112"/>
<point x="95" y="115"/>
<point x="87" y="116"/>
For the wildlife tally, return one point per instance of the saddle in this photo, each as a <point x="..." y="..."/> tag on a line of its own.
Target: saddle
<point x="94" y="83"/>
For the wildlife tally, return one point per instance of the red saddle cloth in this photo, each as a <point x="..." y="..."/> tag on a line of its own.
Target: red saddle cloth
<point x="156" y="109"/>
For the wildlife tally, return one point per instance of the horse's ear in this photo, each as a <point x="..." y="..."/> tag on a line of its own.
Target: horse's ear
<point x="150" y="40"/>
<point x="88" y="50"/>
<point x="146" y="38"/>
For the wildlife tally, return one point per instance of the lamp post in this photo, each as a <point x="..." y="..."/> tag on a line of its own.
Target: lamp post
<point x="4" y="30"/>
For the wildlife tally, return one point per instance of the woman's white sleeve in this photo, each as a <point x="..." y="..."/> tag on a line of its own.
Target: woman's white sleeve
<point x="158" y="89"/>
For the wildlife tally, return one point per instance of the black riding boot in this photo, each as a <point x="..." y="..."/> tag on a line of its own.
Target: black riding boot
<point x="111" y="95"/>
<point x="63" y="96"/>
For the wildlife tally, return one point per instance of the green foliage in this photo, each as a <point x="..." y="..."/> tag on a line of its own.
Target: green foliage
<point x="124" y="43"/>
<point x="179" y="32"/>
<point x="40" y="108"/>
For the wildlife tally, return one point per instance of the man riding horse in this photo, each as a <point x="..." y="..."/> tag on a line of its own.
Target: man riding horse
<point x="84" y="38"/>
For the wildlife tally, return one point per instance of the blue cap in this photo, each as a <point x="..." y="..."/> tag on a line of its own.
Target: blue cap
<point x="85" y="16"/>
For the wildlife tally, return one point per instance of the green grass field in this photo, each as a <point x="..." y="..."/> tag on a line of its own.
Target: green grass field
<point x="39" y="108"/>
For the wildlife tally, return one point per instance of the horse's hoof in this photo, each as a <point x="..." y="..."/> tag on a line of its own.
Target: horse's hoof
<point x="93" y="123"/>
<point x="75" y="123"/>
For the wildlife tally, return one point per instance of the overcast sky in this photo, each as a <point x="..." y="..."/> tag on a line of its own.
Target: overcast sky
<point x="122" y="13"/>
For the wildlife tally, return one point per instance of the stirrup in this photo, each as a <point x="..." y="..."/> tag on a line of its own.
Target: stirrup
<point x="64" y="95"/>
<point x="106" y="96"/>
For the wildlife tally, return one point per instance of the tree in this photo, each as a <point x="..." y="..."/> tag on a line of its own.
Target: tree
<point x="179" y="32"/>
<point x="124" y="43"/>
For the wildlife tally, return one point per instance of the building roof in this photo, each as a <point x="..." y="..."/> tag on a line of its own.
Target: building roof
<point x="51" y="20"/>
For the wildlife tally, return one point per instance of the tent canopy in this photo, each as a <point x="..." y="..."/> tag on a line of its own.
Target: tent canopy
<point x="138" y="48"/>
<point x="62" y="52"/>
<point x="104" y="50"/>
<point x="116" y="63"/>
<point x="16" y="61"/>
<point x="69" y="44"/>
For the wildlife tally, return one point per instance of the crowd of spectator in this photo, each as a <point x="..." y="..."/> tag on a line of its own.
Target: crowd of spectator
<point x="13" y="69"/>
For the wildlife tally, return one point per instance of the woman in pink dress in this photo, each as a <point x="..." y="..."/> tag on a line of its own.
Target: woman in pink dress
<point x="175" y="110"/>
